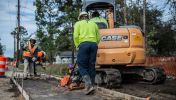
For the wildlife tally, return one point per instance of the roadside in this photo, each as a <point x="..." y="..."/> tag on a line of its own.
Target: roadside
<point x="9" y="91"/>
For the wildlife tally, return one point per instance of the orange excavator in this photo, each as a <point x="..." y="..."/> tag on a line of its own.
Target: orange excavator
<point x="121" y="51"/>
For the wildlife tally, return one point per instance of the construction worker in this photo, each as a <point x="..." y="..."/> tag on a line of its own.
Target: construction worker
<point x="100" y="21"/>
<point x="86" y="37"/>
<point x="30" y="54"/>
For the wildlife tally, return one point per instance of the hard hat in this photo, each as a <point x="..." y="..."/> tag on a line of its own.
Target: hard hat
<point x="82" y="13"/>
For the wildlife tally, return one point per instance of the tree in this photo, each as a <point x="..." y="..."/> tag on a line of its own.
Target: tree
<point x="46" y="14"/>
<point x="69" y="17"/>
<point x="157" y="31"/>
<point x="55" y="20"/>
<point x="167" y="40"/>
<point x="172" y="4"/>
<point x="1" y="49"/>
<point x="152" y="42"/>
<point x="23" y="38"/>
<point x="22" y="34"/>
<point x="153" y="17"/>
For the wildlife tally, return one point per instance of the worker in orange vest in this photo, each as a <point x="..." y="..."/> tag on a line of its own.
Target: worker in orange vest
<point x="31" y="53"/>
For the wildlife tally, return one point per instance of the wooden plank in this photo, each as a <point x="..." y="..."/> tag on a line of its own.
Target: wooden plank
<point x="23" y="92"/>
<point x="112" y="93"/>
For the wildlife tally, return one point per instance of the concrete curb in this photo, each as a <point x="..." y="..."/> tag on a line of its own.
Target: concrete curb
<point x="112" y="93"/>
<point x="23" y="92"/>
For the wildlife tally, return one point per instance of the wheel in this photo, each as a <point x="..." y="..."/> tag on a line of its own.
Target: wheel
<point x="98" y="79"/>
<point x="149" y="75"/>
<point x="154" y="75"/>
<point x="108" y="77"/>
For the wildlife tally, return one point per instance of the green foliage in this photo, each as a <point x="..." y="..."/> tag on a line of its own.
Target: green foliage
<point x="1" y="48"/>
<point x="70" y="10"/>
<point x="56" y="69"/>
<point x="22" y="34"/>
<point x="160" y="36"/>
<point x="167" y="40"/>
<point x="63" y="43"/>
<point x="23" y="31"/>
<point x="55" y="20"/>
<point x="46" y="19"/>
<point x="151" y="42"/>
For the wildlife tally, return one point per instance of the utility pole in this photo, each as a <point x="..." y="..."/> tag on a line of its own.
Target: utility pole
<point x="73" y="48"/>
<point x="14" y="46"/>
<point x="144" y="22"/>
<point x="18" y="18"/>
<point x="144" y="16"/>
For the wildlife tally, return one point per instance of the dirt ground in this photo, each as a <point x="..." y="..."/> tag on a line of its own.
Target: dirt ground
<point x="8" y="91"/>
<point x="48" y="90"/>
<point x="165" y="91"/>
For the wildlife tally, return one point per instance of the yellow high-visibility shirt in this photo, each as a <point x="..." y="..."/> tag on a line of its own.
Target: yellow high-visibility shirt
<point x="99" y="19"/>
<point x="85" y="30"/>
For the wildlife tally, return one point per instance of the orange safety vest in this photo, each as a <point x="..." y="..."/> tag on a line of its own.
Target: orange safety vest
<point x="31" y="52"/>
<point x="28" y="54"/>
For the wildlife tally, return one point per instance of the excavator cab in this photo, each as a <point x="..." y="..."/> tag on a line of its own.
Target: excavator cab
<point x="105" y="7"/>
<point x="121" y="50"/>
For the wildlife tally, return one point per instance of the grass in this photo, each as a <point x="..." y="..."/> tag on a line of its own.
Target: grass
<point x="50" y="69"/>
<point x="55" y="69"/>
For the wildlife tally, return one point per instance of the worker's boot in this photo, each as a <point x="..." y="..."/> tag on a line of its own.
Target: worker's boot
<point x="88" y="85"/>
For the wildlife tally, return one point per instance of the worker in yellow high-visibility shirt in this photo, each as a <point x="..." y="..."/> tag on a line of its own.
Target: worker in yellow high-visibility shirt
<point x="100" y="21"/>
<point x="86" y="38"/>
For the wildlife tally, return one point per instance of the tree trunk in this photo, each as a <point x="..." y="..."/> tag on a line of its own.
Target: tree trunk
<point x="125" y="12"/>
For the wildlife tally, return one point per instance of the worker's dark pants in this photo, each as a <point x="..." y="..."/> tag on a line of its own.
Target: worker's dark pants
<point x="86" y="59"/>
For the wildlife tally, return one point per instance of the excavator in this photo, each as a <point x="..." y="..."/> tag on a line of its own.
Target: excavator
<point x="121" y="51"/>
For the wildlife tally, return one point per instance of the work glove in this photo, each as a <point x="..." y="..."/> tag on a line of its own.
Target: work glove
<point x="34" y="59"/>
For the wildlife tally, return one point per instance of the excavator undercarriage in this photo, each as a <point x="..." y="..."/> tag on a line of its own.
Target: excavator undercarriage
<point x="111" y="77"/>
